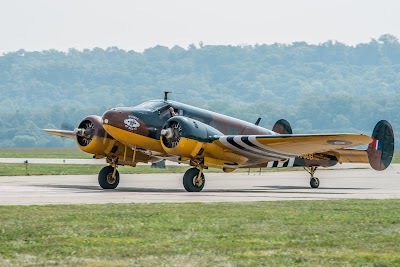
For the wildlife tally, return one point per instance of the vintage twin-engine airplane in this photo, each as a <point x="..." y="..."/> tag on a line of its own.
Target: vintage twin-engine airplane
<point x="164" y="129"/>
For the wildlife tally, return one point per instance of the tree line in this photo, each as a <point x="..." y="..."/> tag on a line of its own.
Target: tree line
<point x="329" y="87"/>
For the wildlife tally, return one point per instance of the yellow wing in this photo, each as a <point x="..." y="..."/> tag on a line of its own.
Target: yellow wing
<point x="277" y="147"/>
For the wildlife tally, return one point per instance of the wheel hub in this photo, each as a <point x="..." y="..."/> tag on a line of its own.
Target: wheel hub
<point x="111" y="179"/>
<point x="197" y="181"/>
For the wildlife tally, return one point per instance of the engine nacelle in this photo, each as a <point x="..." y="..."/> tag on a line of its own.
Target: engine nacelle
<point x="92" y="138"/>
<point x="185" y="137"/>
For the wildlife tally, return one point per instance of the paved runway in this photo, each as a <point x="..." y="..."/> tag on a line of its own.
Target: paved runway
<point x="235" y="187"/>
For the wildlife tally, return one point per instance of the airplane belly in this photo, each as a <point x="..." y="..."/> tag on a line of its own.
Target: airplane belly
<point x="133" y="139"/>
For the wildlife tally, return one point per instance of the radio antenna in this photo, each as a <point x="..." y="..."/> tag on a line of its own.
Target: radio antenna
<point x="166" y="95"/>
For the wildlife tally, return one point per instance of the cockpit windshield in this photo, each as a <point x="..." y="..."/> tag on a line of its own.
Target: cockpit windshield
<point x="151" y="105"/>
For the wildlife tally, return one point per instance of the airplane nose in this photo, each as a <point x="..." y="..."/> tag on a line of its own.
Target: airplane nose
<point x="123" y="119"/>
<point x="114" y="117"/>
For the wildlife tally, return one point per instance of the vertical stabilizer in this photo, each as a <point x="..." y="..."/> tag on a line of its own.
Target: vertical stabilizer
<point x="380" y="151"/>
<point x="282" y="126"/>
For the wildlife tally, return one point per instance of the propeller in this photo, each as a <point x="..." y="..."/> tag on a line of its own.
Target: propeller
<point x="172" y="134"/>
<point x="85" y="132"/>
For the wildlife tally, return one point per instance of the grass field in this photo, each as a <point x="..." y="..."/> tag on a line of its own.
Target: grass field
<point x="291" y="233"/>
<point x="60" y="153"/>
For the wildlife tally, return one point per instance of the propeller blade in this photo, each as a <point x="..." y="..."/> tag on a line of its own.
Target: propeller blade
<point x="62" y="133"/>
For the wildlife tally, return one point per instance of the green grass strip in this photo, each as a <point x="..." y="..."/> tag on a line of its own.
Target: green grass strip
<point x="20" y="169"/>
<point x="59" y="153"/>
<point x="291" y="233"/>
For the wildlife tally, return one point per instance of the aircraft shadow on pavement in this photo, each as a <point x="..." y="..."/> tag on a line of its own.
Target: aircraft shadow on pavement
<point x="97" y="188"/>
<point x="255" y="189"/>
<point x="280" y="187"/>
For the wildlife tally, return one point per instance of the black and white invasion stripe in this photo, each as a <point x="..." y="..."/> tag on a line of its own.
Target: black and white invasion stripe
<point x="281" y="164"/>
<point x="248" y="145"/>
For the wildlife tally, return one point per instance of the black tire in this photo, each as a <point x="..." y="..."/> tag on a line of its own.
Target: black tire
<point x="105" y="178"/>
<point x="189" y="180"/>
<point x="314" y="182"/>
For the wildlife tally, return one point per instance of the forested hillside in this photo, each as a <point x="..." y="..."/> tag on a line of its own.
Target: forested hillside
<point x="331" y="87"/>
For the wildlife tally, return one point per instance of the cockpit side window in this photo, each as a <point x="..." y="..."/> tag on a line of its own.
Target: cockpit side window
<point x="176" y="111"/>
<point x="168" y="112"/>
<point x="165" y="114"/>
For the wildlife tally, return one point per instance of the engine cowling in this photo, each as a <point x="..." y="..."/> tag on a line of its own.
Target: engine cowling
<point x="185" y="137"/>
<point x="92" y="138"/>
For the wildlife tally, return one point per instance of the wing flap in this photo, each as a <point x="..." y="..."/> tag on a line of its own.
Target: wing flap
<point x="350" y="155"/>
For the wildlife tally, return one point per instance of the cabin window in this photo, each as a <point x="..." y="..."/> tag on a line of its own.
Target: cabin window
<point x="232" y="130"/>
<point x="216" y="125"/>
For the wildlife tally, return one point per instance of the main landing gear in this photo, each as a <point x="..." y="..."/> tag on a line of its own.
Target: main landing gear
<point x="193" y="180"/>
<point x="314" y="181"/>
<point x="109" y="177"/>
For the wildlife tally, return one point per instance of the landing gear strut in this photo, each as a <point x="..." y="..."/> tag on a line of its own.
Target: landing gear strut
<point x="314" y="181"/>
<point x="193" y="180"/>
<point x="109" y="177"/>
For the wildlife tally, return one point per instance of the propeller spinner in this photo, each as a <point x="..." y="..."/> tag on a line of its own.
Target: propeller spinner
<point x="85" y="132"/>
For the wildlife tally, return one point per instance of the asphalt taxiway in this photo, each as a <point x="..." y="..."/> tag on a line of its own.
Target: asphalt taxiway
<point x="220" y="187"/>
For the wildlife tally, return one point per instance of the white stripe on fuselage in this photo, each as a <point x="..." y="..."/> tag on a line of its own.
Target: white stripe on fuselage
<point x="281" y="163"/>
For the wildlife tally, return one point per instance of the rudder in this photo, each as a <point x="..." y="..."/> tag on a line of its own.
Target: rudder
<point x="380" y="151"/>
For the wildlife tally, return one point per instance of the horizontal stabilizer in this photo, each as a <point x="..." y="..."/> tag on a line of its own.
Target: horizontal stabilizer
<point x="62" y="133"/>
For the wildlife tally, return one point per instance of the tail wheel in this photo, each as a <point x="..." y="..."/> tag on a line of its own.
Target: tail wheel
<point x="191" y="181"/>
<point x="106" y="178"/>
<point x="314" y="182"/>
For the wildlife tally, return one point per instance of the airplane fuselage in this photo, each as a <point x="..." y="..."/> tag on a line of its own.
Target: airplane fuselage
<point x="141" y="125"/>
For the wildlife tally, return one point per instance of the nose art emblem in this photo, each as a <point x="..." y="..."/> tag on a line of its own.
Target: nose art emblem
<point x="131" y="123"/>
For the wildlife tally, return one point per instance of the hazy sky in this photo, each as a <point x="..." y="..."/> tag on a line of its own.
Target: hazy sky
<point x="137" y="25"/>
